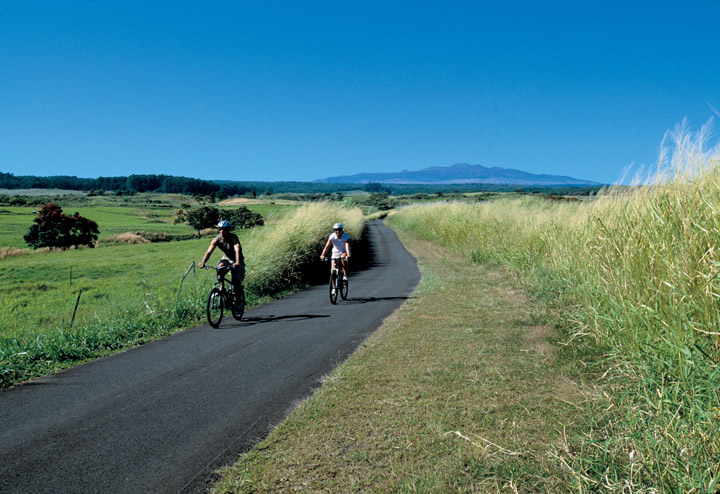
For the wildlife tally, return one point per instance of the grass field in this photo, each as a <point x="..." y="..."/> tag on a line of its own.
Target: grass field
<point x="152" y="213"/>
<point x="133" y="293"/>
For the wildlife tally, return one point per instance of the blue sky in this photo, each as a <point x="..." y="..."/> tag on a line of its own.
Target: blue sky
<point x="304" y="90"/>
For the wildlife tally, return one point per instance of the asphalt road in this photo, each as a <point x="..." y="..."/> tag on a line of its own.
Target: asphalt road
<point x="163" y="417"/>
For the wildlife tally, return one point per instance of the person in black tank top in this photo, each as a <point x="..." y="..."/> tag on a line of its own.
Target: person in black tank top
<point x="229" y="245"/>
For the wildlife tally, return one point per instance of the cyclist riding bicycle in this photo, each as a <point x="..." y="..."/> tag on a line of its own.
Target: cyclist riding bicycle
<point x="233" y="258"/>
<point x="340" y="247"/>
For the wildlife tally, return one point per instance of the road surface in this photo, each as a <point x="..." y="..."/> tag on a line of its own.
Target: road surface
<point x="163" y="417"/>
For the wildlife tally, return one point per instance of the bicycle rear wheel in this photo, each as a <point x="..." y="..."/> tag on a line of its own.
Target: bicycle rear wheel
<point x="239" y="307"/>
<point x="215" y="307"/>
<point x="333" y="290"/>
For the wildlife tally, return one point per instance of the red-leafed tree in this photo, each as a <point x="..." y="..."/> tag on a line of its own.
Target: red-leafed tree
<point x="52" y="228"/>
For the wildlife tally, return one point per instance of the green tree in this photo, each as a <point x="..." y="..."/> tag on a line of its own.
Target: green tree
<point x="375" y="188"/>
<point x="244" y="218"/>
<point x="52" y="228"/>
<point x="202" y="217"/>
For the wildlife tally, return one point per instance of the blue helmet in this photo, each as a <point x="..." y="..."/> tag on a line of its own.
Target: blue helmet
<point x="224" y="224"/>
<point x="338" y="226"/>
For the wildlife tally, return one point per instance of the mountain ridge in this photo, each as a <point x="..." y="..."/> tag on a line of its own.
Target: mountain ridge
<point x="459" y="173"/>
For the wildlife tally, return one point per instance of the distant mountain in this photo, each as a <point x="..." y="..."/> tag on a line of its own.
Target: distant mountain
<point x="461" y="173"/>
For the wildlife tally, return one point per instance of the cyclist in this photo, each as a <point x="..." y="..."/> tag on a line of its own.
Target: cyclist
<point x="340" y="247"/>
<point x="232" y="258"/>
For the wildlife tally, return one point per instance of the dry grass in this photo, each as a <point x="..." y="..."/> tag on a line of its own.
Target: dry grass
<point x="13" y="252"/>
<point x="635" y="279"/>
<point x="127" y="238"/>
<point x="456" y="392"/>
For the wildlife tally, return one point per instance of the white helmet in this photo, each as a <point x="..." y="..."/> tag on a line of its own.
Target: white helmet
<point x="338" y="226"/>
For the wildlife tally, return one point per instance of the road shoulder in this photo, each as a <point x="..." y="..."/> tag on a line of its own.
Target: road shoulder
<point x="460" y="389"/>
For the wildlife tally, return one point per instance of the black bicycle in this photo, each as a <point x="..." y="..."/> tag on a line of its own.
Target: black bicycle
<point x="222" y="296"/>
<point x="338" y="282"/>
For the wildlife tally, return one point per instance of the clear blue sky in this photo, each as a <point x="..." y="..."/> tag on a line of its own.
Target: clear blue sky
<point x="304" y="90"/>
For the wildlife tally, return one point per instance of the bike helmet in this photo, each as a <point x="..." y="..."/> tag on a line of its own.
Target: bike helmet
<point x="224" y="224"/>
<point x="338" y="226"/>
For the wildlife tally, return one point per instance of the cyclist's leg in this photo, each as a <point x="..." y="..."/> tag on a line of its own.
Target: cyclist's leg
<point x="238" y="276"/>
<point x="336" y="264"/>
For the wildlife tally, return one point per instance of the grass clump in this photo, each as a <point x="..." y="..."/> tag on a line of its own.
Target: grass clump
<point x="13" y="252"/>
<point x="635" y="275"/>
<point x="123" y="238"/>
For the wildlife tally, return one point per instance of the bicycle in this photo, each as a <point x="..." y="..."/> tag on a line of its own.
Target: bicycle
<point x="222" y="296"/>
<point x="337" y="276"/>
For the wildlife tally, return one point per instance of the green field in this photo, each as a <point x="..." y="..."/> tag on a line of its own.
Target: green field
<point x="152" y="213"/>
<point x="130" y="294"/>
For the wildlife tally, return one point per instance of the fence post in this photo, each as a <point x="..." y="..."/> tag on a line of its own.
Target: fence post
<point x="192" y="267"/>
<point x="77" y="302"/>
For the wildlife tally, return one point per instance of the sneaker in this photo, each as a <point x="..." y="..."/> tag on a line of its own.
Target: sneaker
<point x="333" y="291"/>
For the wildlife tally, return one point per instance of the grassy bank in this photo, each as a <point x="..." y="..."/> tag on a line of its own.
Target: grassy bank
<point x="133" y="293"/>
<point x="634" y="275"/>
<point x="459" y="391"/>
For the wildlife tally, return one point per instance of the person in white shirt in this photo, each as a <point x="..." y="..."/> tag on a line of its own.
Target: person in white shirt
<point x="340" y="242"/>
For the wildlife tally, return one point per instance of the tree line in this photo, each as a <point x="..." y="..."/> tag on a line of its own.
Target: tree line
<point x="133" y="183"/>
<point x="227" y="188"/>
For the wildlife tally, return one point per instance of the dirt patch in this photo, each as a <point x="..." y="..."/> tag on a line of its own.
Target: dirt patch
<point x="538" y="337"/>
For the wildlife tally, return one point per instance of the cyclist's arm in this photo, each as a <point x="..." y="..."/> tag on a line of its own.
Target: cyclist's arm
<point x="327" y="244"/>
<point x="207" y="254"/>
<point x="347" y="250"/>
<point x="238" y="253"/>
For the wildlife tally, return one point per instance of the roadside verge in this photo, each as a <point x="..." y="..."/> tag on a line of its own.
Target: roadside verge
<point x="460" y="389"/>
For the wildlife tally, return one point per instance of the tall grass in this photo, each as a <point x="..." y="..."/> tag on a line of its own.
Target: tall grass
<point x="132" y="293"/>
<point x="282" y="256"/>
<point x="636" y="272"/>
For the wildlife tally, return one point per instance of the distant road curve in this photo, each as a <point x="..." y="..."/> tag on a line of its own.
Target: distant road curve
<point x="163" y="417"/>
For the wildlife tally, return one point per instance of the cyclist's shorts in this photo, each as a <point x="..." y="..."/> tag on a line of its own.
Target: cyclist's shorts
<point x="238" y="273"/>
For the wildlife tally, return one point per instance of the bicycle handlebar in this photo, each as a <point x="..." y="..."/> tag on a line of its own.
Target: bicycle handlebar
<point x="217" y="267"/>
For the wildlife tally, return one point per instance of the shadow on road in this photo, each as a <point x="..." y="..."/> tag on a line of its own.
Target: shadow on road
<point x="367" y="300"/>
<point x="250" y="321"/>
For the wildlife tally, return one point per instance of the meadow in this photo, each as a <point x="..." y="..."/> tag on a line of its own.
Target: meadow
<point x="633" y="280"/>
<point x="148" y="212"/>
<point x="133" y="293"/>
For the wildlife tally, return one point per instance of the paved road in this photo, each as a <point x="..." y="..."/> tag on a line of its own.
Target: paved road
<point x="163" y="417"/>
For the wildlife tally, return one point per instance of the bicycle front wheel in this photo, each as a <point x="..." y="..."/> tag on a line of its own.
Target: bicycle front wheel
<point x="215" y="307"/>
<point x="344" y="288"/>
<point x="239" y="308"/>
<point x="333" y="289"/>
